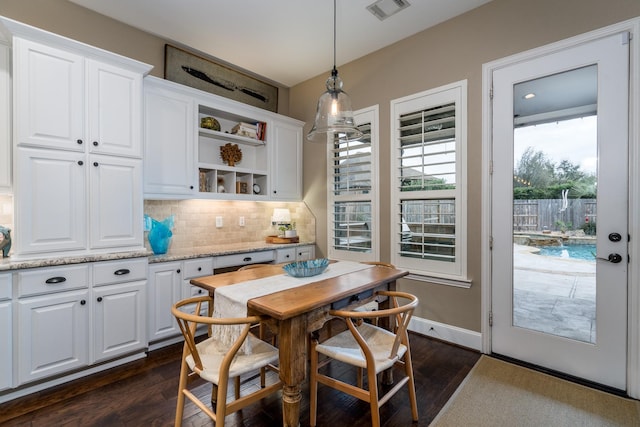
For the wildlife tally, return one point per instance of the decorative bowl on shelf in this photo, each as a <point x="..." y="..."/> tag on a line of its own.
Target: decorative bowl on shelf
<point x="307" y="268"/>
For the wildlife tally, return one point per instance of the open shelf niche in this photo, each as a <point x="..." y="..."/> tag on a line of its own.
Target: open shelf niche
<point x="248" y="177"/>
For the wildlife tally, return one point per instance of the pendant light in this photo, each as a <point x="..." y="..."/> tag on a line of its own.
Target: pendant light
<point x="334" y="114"/>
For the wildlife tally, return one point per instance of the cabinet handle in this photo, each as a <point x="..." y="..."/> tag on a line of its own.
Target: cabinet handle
<point x="99" y="299"/>
<point x="80" y="162"/>
<point x="82" y="302"/>
<point x="247" y="259"/>
<point x="79" y="141"/>
<point x="95" y="143"/>
<point x="95" y="164"/>
<point x="55" y="280"/>
<point x="122" y="272"/>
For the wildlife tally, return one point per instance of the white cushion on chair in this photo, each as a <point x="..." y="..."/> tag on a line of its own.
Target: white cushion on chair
<point x="345" y="348"/>
<point x="211" y="353"/>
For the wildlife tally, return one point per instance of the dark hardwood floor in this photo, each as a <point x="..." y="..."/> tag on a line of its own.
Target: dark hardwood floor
<point x="143" y="393"/>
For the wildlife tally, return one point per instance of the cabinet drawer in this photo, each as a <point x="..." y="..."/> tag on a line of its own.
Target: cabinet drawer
<point x="54" y="279"/>
<point x="286" y="255"/>
<point x="197" y="268"/>
<point x="123" y="270"/>
<point x="5" y="286"/>
<point x="244" y="258"/>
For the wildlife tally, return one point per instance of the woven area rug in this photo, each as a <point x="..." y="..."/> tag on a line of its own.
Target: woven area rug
<point x="498" y="393"/>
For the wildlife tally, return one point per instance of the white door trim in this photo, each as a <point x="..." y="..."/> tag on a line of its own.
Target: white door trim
<point x="633" y="340"/>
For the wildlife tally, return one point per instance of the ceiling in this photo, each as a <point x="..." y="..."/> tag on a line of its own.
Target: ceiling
<point x="284" y="41"/>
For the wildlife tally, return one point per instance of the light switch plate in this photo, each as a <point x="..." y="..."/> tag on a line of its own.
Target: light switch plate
<point x="218" y="221"/>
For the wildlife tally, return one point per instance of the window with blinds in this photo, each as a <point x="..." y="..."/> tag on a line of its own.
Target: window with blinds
<point x="429" y="153"/>
<point x="352" y="198"/>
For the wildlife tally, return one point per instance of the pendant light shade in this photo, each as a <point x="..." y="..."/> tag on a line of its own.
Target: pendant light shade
<point x="334" y="113"/>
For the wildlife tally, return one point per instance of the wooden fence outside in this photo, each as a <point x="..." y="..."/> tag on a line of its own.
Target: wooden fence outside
<point x="551" y="214"/>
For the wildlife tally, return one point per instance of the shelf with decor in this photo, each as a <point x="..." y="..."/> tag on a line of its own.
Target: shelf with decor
<point x="232" y="153"/>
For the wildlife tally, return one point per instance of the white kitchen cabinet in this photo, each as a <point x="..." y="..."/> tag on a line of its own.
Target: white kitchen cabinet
<point x="53" y="332"/>
<point x="71" y="98"/>
<point x="285" y="255"/>
<point x="169" y="125"/>
<point x="120" y="308"/>
<point x="53" y="321"/>
<point x="114" y="99"/>
<point x="304" y="253"/>
<point x="191" y="269"/>
<point x="5" y="119"/>
<point x="49" y="96"/>
<point x="165" y="289"/>
<point x="182" y="159"/>
<point x="115" y="202"/>
<point x="6" y="333"/>
<point x="54" y="110"/>
<point x="50" y="203"/>
<point x="286" y="161"/>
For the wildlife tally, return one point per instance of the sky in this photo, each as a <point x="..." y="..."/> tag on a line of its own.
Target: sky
<point x="574" y="140"/>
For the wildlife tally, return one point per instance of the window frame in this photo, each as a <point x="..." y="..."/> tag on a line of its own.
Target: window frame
<point x="454" y="273"/>
<point x="362" y="116"/>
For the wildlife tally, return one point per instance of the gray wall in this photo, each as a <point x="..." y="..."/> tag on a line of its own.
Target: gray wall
<point x="451" y="51"/>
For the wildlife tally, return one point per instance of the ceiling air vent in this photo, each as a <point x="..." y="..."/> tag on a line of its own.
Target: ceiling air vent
<point x="383" y="9"/>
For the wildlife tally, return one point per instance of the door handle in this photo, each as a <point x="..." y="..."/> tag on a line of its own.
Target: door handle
<point x="614" y="258"/>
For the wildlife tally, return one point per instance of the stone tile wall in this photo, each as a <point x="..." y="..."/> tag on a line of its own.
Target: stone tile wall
<point x="195" y="221"/>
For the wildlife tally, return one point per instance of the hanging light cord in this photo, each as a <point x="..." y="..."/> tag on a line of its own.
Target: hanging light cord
<point x="334" y="71"/>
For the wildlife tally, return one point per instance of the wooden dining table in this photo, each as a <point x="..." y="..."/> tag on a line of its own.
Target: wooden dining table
<point x="295" y="313"/>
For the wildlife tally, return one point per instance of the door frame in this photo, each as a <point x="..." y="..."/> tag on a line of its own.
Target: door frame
<point x="633" y="318"/>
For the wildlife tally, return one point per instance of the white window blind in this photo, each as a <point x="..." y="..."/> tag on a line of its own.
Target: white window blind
<point x="353" y="193"/>
<point x="429" y="170"/>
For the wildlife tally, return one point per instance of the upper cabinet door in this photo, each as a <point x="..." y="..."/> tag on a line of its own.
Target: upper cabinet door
<point x="169" y="160"/>
<point x="115" y="110"/>
<point x="116" y="208"/>
<point x="51" y="209"/>
<point x="50" y="106"/>
<point x="5" y="120"/>
<point x="286" y="166"/>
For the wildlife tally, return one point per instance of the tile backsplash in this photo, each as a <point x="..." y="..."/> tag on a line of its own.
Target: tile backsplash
<point x="195" y="221"/>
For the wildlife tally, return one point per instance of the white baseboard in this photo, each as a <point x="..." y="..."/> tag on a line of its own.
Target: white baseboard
<point x="444" y="332"/>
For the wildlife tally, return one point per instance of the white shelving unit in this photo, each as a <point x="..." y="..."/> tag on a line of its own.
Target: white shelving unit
<point x="218" y="178"/>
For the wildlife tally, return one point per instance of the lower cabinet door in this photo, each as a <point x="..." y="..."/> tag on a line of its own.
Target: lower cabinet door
<point x="53" y="334"/>
<point x="6" y="354"/>
<point x="165" y="281"/>
<point x="120" y="324"/>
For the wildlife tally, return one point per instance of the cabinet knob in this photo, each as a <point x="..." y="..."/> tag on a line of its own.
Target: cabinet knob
<point x="95" y="164"/>
<point x="99" y="299"/>
<point x="95" y="143"/>
<point x="79" y="141"/>
<point x="191" y="187"/>
<point x="82" y="302"/>
<point x="178" y="271"/>
<point x="80" y="162"/>
<point x="275" y="191"/>
<point x="199" y="268"/>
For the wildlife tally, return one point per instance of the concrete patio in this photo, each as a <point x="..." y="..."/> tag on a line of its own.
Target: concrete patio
<point x="554" y="295"/>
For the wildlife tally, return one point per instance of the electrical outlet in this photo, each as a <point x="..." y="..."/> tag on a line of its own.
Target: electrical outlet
<point x="241" y="221"/>
<point x="218" y="221"/>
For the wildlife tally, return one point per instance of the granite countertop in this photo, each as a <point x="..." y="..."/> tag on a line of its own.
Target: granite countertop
<point x="7" y="264"/>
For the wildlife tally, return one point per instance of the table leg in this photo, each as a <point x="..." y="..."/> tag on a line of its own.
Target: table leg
<point x="293" y="365"/>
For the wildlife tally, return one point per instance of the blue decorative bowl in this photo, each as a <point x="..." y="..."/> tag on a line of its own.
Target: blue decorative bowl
<point x="308" y="268"/>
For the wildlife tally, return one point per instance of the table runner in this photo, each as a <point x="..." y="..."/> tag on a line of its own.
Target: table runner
<point x="231" y="301"/>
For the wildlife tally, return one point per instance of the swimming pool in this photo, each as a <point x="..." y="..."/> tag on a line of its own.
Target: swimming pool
<point x="585" y="252"/>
